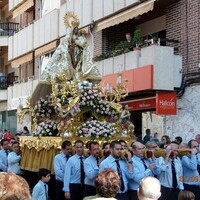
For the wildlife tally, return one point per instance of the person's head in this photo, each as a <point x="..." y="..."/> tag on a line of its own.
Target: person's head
<point x="149" y="189"/>
<point x="116" y="148"/>
<point x="128" y="37"/>
<point x="155" y="134"/>
<point x="107" y="183"/>
<point x="44" y="175"/>
<point x="15" y="147"/>
<point x="4" y="144"/>
<point x="165" y="139"/>
<point x="186" y="195"/>
<point x="123" y="143"/>
<point x="151" y="145"/>
<point x="25" y="130"/>
<point x="138" y="149"/>
<point x="13" y="187"/>
<point x="148" y="131"/>
<point x="106" y="149"/>
<point x="178" y="139"/>
<point x="79" y="146"/>
<point x="67" y="147"/>
<point x="193" y="144"/>
<point x="94" y="148"/>
<point x="197" y="138"/>
<point x="174" y="149"/>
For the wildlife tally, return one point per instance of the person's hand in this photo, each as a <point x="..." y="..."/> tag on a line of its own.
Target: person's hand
<point x="194" y="151"/>
<point x="128" y="155"/>
<point x="152" y="166"/>
<point x="67" y="195"/>
<point x="168" y="152"/>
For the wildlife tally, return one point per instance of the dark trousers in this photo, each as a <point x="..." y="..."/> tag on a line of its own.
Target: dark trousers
<point x="76" y="191"/>
<point x="169" y="193"/>
<point x="193" y="188"/>
<point x="122" y="196"/>
<point x="89" y="191"/>
<point x="132" y="194"/>
<point x="60" y="195"/>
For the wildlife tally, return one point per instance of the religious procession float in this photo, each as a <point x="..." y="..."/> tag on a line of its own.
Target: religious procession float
<point x="77" y="107"/>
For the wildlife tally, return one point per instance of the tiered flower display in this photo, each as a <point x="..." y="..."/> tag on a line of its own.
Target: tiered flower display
<point x="96" y="129"/>
<point x="90" y="104"/>
<point x="44" y="108"/>
<point x="47" y="128"/>
<point x="91" y="98"/>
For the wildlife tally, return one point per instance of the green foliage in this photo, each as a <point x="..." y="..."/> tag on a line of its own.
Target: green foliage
<point x="121" y="47"/>
<point x="137" y="37"/>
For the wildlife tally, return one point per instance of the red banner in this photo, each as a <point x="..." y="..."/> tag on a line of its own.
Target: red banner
<point x="141" y="104"/>
<point x="166" y="103"/>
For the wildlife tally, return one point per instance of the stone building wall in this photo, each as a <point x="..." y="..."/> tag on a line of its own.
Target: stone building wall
<point x="187" y="121"/>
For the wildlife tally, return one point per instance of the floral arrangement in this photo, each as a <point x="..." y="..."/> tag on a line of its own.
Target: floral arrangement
<point x="43" y="108"/>
<point x="96" y="129"/>
<point x="92" y="98"/>
<point x="47" y="128"/>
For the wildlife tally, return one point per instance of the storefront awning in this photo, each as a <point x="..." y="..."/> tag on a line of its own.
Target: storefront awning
<point x="21" y="9"/>
<point x="24" y="59"/>
<point x="47" y="48"/>
<point x="126" y="15"/>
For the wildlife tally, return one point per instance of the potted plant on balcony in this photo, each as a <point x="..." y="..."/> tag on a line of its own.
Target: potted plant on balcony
<point x="137" y="38"/>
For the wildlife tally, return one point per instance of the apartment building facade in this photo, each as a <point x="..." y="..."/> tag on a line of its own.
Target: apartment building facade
<point x="167" y="72"/>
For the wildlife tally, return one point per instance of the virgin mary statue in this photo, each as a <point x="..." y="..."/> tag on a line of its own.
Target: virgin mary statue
<point x="72" y="58"/>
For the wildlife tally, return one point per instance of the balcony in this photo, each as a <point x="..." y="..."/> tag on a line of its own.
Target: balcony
<point x="39" y="33"/>
<point x="156" y="66"/>
<point x="7" y="29"/>
<point x="6" y="81"/>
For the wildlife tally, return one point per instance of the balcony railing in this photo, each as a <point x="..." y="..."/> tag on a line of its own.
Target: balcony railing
<point x="6" y="81"/>
<point x="8" y="28"/>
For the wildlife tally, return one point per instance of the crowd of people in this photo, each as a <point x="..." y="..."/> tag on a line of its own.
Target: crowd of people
<point x="116" y="170"/>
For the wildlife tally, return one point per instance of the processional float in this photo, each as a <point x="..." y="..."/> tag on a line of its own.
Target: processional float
<point x="78" y="107"/>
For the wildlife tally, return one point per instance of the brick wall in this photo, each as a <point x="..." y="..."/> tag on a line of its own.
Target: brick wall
<point x="183" y="24"/>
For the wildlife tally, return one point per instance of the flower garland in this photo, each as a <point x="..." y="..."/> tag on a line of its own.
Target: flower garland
<point x="43" y="108"/>
<point x="96" y="129"/>
<point x="92" y="98"/>
<point x="46" y="128"/>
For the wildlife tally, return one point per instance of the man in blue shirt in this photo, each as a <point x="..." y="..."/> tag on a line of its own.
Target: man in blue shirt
<point x="191" y="169"/>
<point x="171" y="173"/>
<point x="3" y="155"/>
<point x="91" y="167"/>
<point x="74" y="174"/>
<point x="14" y="159"/>
<point x="60" y="161"/>
<point x="122" y="167"/>
<point x="142" y="168"/>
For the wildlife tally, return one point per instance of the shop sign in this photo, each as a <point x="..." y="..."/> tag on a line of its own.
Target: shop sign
<point x="141" y="104"/>
<point x="166" y="103"/>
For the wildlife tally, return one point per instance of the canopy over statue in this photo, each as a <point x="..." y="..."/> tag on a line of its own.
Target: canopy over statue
<point x="72" y="56"/>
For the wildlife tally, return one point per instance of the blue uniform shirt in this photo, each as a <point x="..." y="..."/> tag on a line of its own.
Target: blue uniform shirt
<point x="13" y="163"/>
<point x="165" y="177"/>
<point x="109" y="162"/>
<point x="91" y="170"/>
<point x="72" y="172"/>
<point x="190" y="173"/>
<point x="40" y="191"/>
<point x="60" y="162"/>
<point x="140" y="172"/>
<point x="3" y="160"/>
